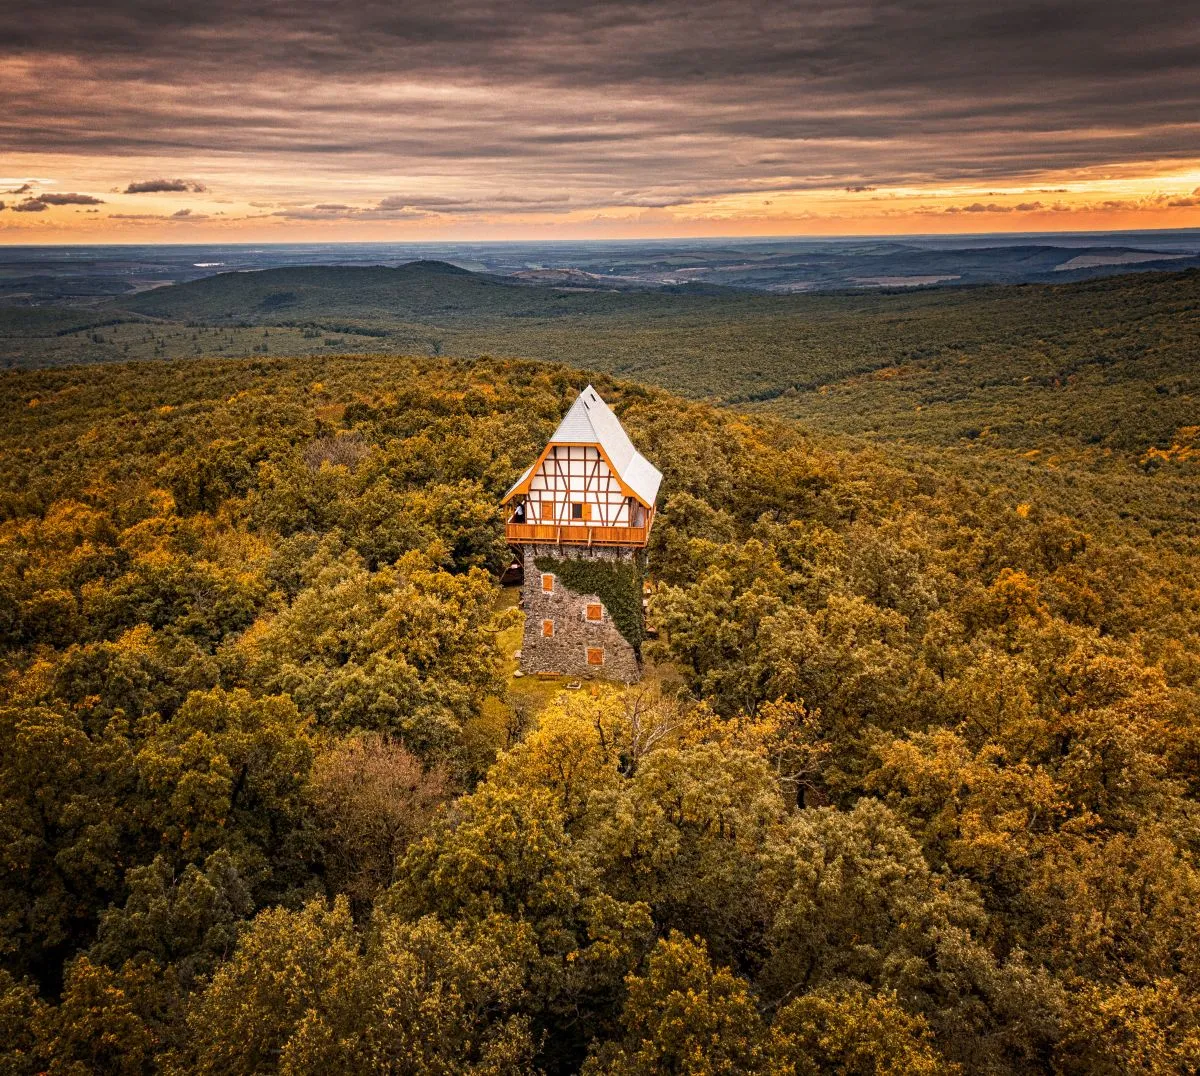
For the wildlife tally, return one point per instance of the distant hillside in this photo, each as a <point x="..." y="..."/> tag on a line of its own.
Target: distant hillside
<point x="1036" y="372"/>
<point x="32" y="276"/>
<point x="1108" y="362"/>
<point x="375" y="294"/>
<point x="900" y="265"/>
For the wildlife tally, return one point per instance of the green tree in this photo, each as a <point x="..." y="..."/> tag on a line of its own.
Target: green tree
<point x="20" y="1013"/>
<point x="848" y="1031"/>
<point x="229" y="771"/>
<point x="506" y="852"/>
<point x="689" y="834"/>
<point x="863" y="905"/>
<point x="405" y="650"/>
<point x="188" y="923"/>
<point x="100" y="1025"/>
<point x="64" y="833"/>
<point x="305" y="994"/>
<point x="685" y="1017"/>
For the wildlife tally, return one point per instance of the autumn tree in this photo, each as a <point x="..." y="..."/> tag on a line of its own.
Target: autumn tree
<point x="684" y="1016"/>
<point x="372" y="799"/>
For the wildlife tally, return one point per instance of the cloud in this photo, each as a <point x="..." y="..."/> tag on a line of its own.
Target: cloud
<point x="326" y="212"/>
<point x="41" y="202"/>
<point x="1" y="207"/>
<point x="336" y="211"/>
<point x="182" y="216"/>
<point x="395" y="207"/>
<point x="433" y="205"/>
<point x="156" y="186"/>
<point x="423" y="201"/>
<point x="24" y="188"/>
<point x="990" y="207"/>
<point x="51" y="198"/>
<point x="858" y="189"/>
<point x="650" y="105"/>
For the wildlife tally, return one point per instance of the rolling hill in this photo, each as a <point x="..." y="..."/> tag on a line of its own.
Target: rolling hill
<point x="1073" y="383"/>
<point x="1013" y="364"/>
<point x="371" y="294"/>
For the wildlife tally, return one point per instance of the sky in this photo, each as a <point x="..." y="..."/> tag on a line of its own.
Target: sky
<point x="311" y="120"/>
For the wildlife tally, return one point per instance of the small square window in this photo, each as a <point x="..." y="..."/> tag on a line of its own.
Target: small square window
<point x="595" y="655"/>
<point x="579" y="510"/>
<point x="595" y="611"/>
<point x="548" y="583"/>
<point x="548" y="629"/>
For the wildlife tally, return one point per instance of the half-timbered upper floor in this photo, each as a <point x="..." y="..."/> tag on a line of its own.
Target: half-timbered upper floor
<point x="589" y="486"/>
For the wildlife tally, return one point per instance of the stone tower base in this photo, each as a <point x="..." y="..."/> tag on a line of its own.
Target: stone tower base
<point x="572" y="644"/>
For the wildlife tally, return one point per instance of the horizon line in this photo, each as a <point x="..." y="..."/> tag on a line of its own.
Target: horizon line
<point x="799" y="237"/>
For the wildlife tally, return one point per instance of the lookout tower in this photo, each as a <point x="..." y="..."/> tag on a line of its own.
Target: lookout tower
<point x="580" y="518"/>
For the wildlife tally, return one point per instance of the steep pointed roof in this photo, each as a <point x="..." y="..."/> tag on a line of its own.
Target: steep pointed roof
<point x="590" y="422"/>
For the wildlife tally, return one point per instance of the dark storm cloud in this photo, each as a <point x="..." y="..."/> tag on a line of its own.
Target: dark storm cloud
<point x="155" y="186"/>
<point x="590" y="99"/>
<point x="39" y="203"/>
<point x="51" y="198"/>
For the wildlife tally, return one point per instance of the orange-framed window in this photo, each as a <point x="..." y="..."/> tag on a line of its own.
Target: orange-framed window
<point x="595" y="611"/>
<point x="548" y="583"/>
<point x="547" y="509"/>
<point x="548" y="629"/>
<point x="581" y="510"/>
<point x="595" y="655"/>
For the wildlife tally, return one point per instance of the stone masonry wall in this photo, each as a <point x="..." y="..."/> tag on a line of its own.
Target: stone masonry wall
<point x="566" y="651"/>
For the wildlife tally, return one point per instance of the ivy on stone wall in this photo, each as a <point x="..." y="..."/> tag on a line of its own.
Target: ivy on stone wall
<point x="618" y="584"/>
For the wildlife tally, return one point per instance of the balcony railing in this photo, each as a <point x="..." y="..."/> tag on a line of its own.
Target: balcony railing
<point x="573" y="534"/>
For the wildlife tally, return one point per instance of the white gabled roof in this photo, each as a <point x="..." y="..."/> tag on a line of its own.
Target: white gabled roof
<point x="643" y="478"/>
<point x="590" y="422"/>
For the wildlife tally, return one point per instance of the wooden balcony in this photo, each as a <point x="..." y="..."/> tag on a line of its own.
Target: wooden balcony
<point x="574" y="534"/>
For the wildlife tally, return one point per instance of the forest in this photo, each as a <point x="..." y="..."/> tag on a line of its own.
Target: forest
<point x="911" y="786"/>
<point x="1092" y="369"/>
